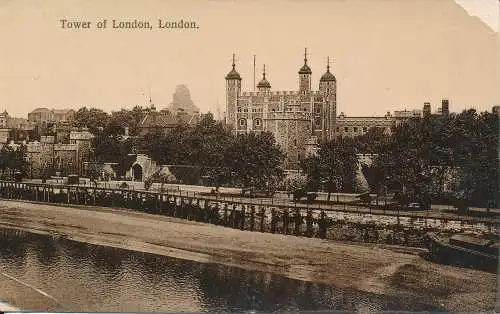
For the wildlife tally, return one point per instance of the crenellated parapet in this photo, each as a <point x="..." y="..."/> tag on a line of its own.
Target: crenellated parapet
<point x="305" y="116"/>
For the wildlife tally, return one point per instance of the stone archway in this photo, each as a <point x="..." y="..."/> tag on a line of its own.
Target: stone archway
<point x="137" y="172"/>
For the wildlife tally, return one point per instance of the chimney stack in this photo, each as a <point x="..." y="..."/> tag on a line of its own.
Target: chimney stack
<point x="445" y="107"/>
<point x="427" y="109"/>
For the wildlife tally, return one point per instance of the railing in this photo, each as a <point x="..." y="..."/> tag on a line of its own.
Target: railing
<point x="265" y="215"/>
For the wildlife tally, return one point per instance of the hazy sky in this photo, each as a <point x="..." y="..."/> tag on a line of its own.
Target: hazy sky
<point x="387" y="54"/>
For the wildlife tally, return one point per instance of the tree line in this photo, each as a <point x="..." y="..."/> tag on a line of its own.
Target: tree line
<point x="448" y="159"/>
<point x="204" y="152"/>
<point x="437" y="158"/>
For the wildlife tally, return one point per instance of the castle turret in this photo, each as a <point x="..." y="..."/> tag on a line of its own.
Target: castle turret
<point x="305" y="76"/>
<point x="264" y="84"/>
<point x="233" y="90"/>
<point x="328" y="88"/>
<point x="327" y="83"/>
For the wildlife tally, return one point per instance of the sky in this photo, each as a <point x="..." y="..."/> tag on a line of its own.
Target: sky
<point x="386" y="54"/>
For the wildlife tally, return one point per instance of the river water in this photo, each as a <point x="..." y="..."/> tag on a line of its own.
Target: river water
<point x="41" y="272"/>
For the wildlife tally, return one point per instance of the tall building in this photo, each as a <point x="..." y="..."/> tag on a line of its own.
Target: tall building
<point x="301" y="119"/>
<point x="295" y="118"/>
<point x="182" y="102"/>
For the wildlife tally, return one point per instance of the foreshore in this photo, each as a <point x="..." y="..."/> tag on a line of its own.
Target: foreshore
<point x="372" y="268"/>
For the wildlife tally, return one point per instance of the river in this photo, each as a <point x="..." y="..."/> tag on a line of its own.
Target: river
<point x="41" y="272"/>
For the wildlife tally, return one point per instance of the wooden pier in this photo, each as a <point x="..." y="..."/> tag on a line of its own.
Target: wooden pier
<point x="273" y="218"/>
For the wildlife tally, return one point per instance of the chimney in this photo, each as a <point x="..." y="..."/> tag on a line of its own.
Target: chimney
<point x="427" y="109"/>
<point x="445" y="107"/>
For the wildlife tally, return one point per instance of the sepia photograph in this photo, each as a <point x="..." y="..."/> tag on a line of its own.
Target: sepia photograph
<point x="246" y="156"/>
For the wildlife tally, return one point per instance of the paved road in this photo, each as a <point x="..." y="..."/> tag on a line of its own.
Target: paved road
<point x="438" y="212"/>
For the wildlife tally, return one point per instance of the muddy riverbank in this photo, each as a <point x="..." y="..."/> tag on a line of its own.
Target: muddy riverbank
<point x="371" y="268"/>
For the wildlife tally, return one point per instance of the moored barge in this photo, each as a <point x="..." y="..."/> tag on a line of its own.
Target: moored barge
<point x="464" y="250"/>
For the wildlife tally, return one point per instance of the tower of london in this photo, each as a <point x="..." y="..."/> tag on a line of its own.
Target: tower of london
<point x="296" y="118"/>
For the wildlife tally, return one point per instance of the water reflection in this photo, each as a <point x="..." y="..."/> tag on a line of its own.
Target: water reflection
<point x="85" y="277"/>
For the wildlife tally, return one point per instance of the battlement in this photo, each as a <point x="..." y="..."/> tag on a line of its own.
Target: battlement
<point x="288" y="115"/>
<point x="278" y="93"/>
<point x="344" y="117"/>
<point x="270" y="93"/>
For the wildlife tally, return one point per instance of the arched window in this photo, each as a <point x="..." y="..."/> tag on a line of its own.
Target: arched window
<point x="258" y="122"/>
<point x="242" y="122"/>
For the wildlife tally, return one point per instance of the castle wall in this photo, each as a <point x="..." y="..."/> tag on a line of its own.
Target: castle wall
<point x="45" y="157"/>
<point x="66" y="158"/>
<point x="355" y="126"/>
<point x="291" y="116"/>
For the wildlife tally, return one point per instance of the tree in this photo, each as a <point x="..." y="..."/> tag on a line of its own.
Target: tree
<point x="13" y="160"/>
<point x="106" y="148"/>
<point x="94" y="119"/>
<point x="423" y="153"/>
<point x="476" y="149"/>
<point x="402" y="162"/>
<point x="255" y="160"/>
<point x="125" y="118"/>
<point x="372" y="142"/>
<point x="334" y="167"/>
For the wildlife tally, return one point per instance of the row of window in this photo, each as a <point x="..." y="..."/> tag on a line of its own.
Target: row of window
<point x="354" y="129"/>
<point x="317" y="110"/>
<point x="256" y="122"/>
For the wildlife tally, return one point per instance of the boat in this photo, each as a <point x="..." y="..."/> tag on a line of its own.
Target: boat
<point x="464" y="250"/>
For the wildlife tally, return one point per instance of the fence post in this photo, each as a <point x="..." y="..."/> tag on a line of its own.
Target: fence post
<point x="273" y="220"/>
<point x="285" y="221"/>
<point x="298" y="221"/>
<point x="243" y="212"/>
<point x="252" y="217"/>
<point x="262" y="217"/>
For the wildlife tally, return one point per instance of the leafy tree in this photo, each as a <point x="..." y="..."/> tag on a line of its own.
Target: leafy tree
<point x="334" y="167"/>
<point x="13" y="160"/>
<point x="106" y="148"/>
<point x="423" y="152"/>
<point x="476" y="148"/>
<point x="255" y="160"/>
<point x="372" y="142"/>
<point x="374" y="176"/>
<point x="94" y="119"/>
<point x="402" y="162"/>
<point x="125" y="118"/>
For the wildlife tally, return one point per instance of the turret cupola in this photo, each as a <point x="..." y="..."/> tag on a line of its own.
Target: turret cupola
<point x="233" y="75"/>
<point x="328" y="77"/>
<point x="305" y="77"/>
<point x="305" y="68"/>
<point x="264" y="83"/>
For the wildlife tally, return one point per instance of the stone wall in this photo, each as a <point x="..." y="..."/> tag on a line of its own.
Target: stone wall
<point x="291" y="136"/>
<point x="45" y="157"/>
